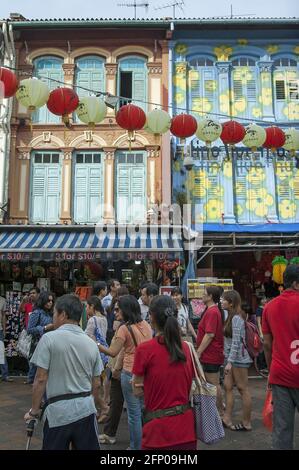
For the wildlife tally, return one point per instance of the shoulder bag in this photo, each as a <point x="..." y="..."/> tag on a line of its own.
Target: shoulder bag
<point x="208" y="424"/>
<point x="27" y="343"/>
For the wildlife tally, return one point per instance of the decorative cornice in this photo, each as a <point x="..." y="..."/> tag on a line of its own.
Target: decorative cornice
<point x="109" y="152"/>
<point x="154" y="68"/>
<point x="265" y="66"/>
<point x="24" y="153"/>
<point x="111" y="69"/>
<point x="67" y="152"/>
<point x="153" y="151"/>
<point x="68" y="69"/>
<point x="25" y="70"/>
<point x="223" y="67"/>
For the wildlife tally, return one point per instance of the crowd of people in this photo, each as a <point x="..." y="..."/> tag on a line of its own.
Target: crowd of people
<point x="134" y="353"/>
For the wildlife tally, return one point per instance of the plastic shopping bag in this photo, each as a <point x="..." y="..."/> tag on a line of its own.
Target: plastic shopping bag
<point x="268" y="411"/>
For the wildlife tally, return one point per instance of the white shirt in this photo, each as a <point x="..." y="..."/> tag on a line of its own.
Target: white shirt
<point x="183" y="318"/>
<point x="144" y="309"/>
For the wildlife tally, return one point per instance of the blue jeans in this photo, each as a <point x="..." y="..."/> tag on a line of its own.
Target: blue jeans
<point x="4" y="367"/>
<point x="134" y="410"/>
<point x="31" y="373"/>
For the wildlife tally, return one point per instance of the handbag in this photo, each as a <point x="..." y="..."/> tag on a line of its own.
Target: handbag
<point x="208" y="424"/>
<point x="24" y="344"/>
<point x="268" y="411"/>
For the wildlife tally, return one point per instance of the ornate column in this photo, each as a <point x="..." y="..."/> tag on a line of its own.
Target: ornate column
<point x="66" y="186"/>
<point x="153" y="175"/>
<point x="111" y="82"/>
<point x="109" y="210"/>
<point x="154" y="84"/>
<point x="180" y="85"/>
<point x="272" y="215"/>
<point x="69" y="73"/>
<point x="266" y="97"/>
<point x="225" y="99"/>
<point x="228" y="191"/>
<point x="20" y="186"/>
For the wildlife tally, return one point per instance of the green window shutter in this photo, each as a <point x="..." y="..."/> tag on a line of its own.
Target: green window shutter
<point x="123" y="193"/>
<point x="95" y="193"/>
<point x="81" y="194"/>
<point x="48" y="69"/>
<point x="280" y="89"/>
<point x="38" y="193"/>
<point x="138" y="193"/>
<point x="53" y="193"/>
<point x="90" y="75"/>
<point x="139" y="89"/>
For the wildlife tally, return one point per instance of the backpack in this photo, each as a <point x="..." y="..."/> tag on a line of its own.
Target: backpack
<point x="253" y="342"/>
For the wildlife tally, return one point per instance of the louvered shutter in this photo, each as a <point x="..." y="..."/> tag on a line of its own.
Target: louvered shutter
<point x="288" y="190"/>
<point x="123" y="193"/>
<point x="138" y="192"/>
<point x="95" y="193"/>
<point x="49" y="70"/>
<point x="81" y="194"/>
<point x="280" y="89"/>
<point x="53" y="193"/>
<point x="38" y="193"/>
<point x="139" y="89"/>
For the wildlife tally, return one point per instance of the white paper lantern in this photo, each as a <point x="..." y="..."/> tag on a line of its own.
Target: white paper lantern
<point x="33" y="93"/>
<point x="255" y="136"/>
<point x="292" y="140"/>
<point x="91" y="110"/>
<point x="208" y="130"/>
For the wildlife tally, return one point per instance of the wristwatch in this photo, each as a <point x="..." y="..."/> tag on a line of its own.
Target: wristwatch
<point x="32" y="415"/>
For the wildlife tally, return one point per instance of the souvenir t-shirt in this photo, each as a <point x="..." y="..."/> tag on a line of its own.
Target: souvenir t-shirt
<point x="211" y="322"/>
<point x="166" y="384"/>
<point x="142" y="332"/>
<point x="281" y="320"/>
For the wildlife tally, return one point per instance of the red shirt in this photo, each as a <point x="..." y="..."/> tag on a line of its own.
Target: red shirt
<point x="281" y="320"/>
<point x="27" y="310"/>
<point x="166" y="384"/>
<point x="211" y="322"/>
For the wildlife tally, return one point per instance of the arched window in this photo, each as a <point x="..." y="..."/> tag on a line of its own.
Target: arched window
<point x="202" y="86"/>
<point x="286" y="89"/>
<point x="244" y="87"/>
<point x="89" y="74"/>
<point x="132" y="81"/>
<point x="49" y="69"/>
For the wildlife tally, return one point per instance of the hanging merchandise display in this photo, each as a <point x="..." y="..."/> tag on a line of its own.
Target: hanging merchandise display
<point x="62" y="102"/>
<point x="91" y="110"/>
<point x="32" y="93"/>
<point x="279" y="266"/>
<point x="14" y="322"/>
<point x="275" y="138"/>
<point x="255" y="136"/>
<point x="232" y="132"/>
<point x="208" y="131"/>
<point x="291" y="141"/>
<point x="8" y="83"/>
<point x="157" y="122"/>
<point x="183" y="126"/>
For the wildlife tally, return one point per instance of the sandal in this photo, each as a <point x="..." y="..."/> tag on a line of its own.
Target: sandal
<point x="227" y="426"/>
<point x="240" y="427"/>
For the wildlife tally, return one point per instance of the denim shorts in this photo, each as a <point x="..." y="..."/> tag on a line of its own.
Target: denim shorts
<point x="241" y="365"/>
<point x="211" y="368"/>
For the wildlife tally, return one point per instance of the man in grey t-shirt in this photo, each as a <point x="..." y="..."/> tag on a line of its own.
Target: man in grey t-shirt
<point x="68" y="370"/>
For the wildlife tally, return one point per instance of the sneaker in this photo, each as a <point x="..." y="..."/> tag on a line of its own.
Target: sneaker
<point x="104" y="439"/>
<point x="7" y="379"/>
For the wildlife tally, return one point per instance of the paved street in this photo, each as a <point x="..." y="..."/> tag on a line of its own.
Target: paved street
<point x="15" y="399"/>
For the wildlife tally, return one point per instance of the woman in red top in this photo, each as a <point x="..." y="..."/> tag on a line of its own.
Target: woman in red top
<point x="210" y="340"/>
<point x="163" y="371"/>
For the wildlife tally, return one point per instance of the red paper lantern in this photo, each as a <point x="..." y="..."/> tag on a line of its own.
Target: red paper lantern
<point x="9" y="81"/>
<point x="62" y="102"/>
<point x="232" y="132"/>
<point x="183" y="126"/>
<point x="275" y="138"/>
<point x="131" y="117"/>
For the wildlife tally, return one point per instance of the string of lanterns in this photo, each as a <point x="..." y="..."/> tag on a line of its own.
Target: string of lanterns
<point x="34" y="93"/>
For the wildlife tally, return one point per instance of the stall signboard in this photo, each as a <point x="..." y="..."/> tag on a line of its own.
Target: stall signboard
<point x="196" y="289"/>
<point x="89" y="255"/>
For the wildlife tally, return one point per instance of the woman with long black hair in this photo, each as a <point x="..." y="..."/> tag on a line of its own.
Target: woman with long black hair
<point x="40" y="322"/>
<point x="163" y="371"/>
<point x="210" y="340"/>
<point x="133" y="332"/>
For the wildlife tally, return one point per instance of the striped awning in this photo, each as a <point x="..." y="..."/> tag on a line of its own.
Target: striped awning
<point x="90" y="239"/>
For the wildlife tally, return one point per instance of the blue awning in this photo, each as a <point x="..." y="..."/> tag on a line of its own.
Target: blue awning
<point x="254" y="228"/>
<point x="101" y="239"/>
